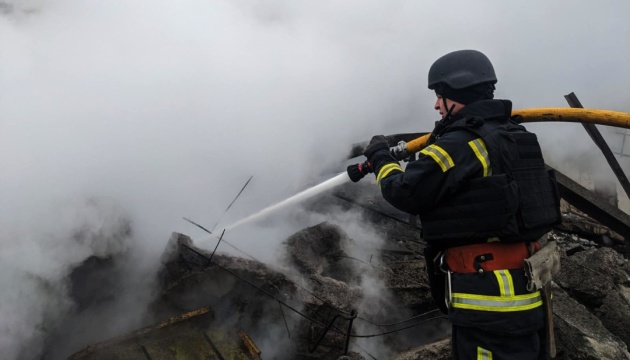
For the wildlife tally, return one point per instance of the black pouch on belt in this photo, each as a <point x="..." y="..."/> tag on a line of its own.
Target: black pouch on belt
<point x="437" y="277"/>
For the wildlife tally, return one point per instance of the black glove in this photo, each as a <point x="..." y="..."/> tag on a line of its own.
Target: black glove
<point x="378" y="154"/>
<point x="377" y="143"/>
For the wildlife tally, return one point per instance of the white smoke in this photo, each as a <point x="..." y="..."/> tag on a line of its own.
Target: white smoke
<point x="167" y="108"/>
<point x="35" y="261"/>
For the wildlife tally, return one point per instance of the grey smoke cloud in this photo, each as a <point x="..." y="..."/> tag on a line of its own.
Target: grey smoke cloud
<point x="165" y="109"/>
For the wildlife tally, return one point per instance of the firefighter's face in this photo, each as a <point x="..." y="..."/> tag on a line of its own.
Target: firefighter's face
<point x="440" y="106"/>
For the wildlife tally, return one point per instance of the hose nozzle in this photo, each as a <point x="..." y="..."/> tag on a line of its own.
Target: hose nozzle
<point x="357" y="172"/>
<point x="400" y="152"/>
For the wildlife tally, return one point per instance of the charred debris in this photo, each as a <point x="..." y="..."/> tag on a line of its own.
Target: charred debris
<point x="333" y="304"/>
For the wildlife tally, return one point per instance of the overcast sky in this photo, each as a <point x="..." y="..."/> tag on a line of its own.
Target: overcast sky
<point x="163" y="109"/>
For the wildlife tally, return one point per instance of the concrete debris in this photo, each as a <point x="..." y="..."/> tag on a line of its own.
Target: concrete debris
<point x="325" y="256"/>
<point x="303" y="307"/>
<point x="580" y="334"/>
<point x="439" y="350"/>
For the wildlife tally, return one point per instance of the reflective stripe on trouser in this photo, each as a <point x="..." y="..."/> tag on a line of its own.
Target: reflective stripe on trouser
<point x="497" y="303"/>
<point x="507" y="300"/>
<point x="504" y="279"/>
<point x="471" y="343"/>
<point x="483" y="354"/>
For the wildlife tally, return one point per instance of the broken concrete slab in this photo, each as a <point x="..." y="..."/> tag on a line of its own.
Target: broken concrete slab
<point x="591" y="274"/>
<point x="580" y="334"/>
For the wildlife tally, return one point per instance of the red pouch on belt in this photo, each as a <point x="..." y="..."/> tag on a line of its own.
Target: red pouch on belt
<point x="488" y="256"/>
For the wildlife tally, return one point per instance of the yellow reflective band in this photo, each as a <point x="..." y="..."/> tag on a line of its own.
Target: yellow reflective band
<point x="479" y="147"/>
<point x="506" y="285"/>
<point x="440" y="156"/>
<point x="483" y="354"/>
<point x="497" y="303"/>
<point x="385" y="170"/>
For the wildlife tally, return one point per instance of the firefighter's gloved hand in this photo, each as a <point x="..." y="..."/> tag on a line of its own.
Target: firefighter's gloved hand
<point x="378" y="153"/>
<point x="377" y="143"/>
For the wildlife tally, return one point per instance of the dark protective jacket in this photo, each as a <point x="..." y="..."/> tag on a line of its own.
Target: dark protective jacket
<point x="481" y="178"/>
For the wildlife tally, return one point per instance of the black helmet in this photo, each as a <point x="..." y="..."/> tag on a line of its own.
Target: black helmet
<point x="461" y="69"/>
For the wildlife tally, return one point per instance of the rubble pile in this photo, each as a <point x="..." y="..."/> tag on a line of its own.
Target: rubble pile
<point x="591" y="293"/>
<point x="305" y="306"/>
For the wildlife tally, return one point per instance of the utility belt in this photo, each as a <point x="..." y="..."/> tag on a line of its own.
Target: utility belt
<point x="539" y="264"/>
<point x="490" y="256"/>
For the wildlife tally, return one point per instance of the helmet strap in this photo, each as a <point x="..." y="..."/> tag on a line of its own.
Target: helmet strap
<point x="448" y="114"/>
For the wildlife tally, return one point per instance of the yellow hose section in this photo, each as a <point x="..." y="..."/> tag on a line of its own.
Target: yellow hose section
<point x="593" y="116"/>
<point x="417" y="144"/>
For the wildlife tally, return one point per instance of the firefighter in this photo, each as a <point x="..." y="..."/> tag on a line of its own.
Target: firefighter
<point x="484" y="198"/>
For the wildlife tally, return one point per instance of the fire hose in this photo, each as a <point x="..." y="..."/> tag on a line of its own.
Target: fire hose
<point x="403" y="150"/>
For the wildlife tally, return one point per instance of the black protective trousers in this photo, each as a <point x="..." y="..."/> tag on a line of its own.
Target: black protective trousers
<point x="496" y="335"/>
<point x="475" y="344"/>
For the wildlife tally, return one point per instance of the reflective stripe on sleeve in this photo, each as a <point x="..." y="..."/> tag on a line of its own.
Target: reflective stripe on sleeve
<point x="497" y="303"/>
<point x="479" y="148"/>
<point x="385" y="170"/>
<point x="440" y="156"/>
